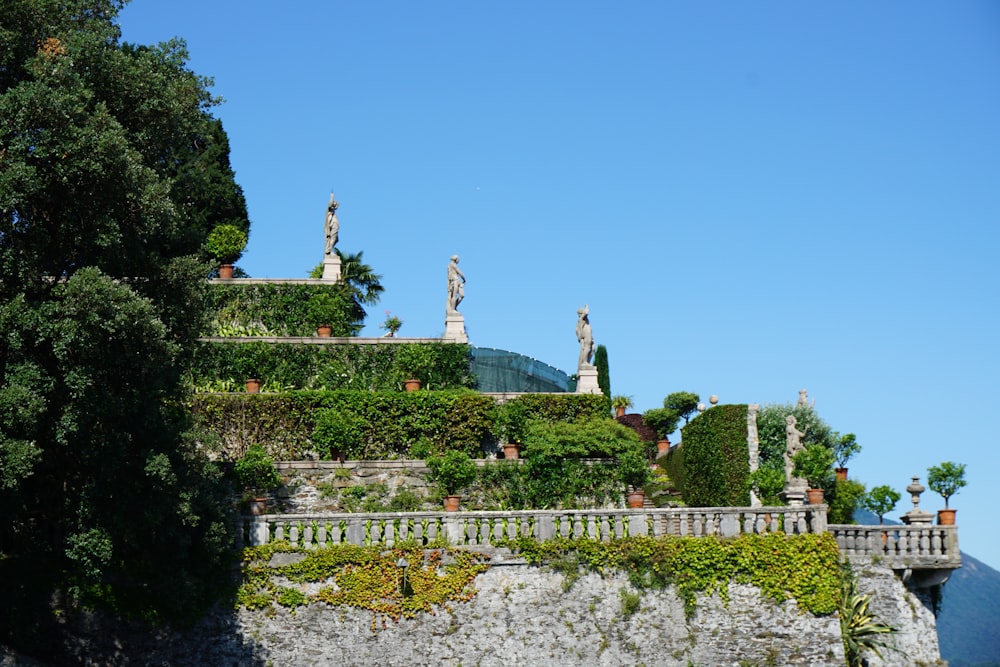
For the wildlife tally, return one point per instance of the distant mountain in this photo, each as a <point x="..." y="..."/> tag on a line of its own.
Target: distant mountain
<point x="969" y="622"/>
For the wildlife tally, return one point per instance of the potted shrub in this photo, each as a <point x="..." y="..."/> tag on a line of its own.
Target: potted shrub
<point x="225" y="243"/>
<point x="880" y="501"/>
<point x="452" y="472"/>
<point x="337" y="433"/>
<point x="323" y="310"/>
<point x="256" y="475"/>
<point x="248" y="362"/>
<point x="391" y="325"/>
<point x="509" y="421"/>
<point x="815" y="465"/>
<point x="945" y="480"/>
<point x="845" y="447"/>
<point x="633" y="471"/>
<point x="415" y="361"/>
<point x="620" y="404"/>
<point x="664" y="421"/>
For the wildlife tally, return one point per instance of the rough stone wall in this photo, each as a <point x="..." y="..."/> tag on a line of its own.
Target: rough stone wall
<point x="524" y="615"/>
<point x="303" y="481"/>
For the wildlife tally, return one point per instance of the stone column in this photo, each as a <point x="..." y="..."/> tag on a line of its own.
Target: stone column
<point x="753" y="447"/>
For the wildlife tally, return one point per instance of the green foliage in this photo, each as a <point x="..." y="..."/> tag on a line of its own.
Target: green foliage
<point x="226" y="243"/>
<point x="621" y="401"/>
<point x="277" y="309"/>
<point x="304" y="366"/>
<point x="631" y="602"/>
<point x="510" y="420"/>
<point x="845" y="447"/>
<point x="682" y="403"/>
<point x="815" y="465"/>
<point x="844" y="500"/>
<point x="255" y="470"/>
<point x="768" y="483"/>
<point x="673" y="463"/>
<point x="364" y="287"/>
<point x="603" y="372"/>
<point x="716" y="469"/>
<point x="595" y="438"/>
<point x="946" y="479"/>
<point x="337" y="432"/>
<point x="453" y="471"/>
<point x="800" y="567"/>
<point x="662" y="420"/>
<point x="771" y="430"/>
<point x="112" y="173"/>
<point x="633" y="470"/>
<point x="564" y="407"/>
<point x="416" y="360"/>
<point x="859" y="628"/>
<point x="544" y="482"/>
<point x="364" y="578"/>
<point x="880" y="501"/>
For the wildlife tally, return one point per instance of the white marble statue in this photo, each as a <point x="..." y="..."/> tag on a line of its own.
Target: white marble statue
<point x="331" y="226"/>
<point x="456" y="285"/>
<point x="585" y="336"/>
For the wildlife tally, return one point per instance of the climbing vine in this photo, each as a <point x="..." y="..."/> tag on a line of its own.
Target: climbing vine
<point x="362" y="577"/>
<point x="800" y="567"/>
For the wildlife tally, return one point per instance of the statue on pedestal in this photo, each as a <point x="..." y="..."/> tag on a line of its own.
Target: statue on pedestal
<point x="585" y="336"/>
<point x="456" y="286"/>
<point x="331" y="225"/>
<point x="793" y="445"/>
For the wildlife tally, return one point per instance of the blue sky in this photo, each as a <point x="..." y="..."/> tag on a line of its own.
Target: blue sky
<point x="753" y="198"/>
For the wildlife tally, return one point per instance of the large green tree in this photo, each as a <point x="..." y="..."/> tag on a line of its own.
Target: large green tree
<point x="112" y="172"/>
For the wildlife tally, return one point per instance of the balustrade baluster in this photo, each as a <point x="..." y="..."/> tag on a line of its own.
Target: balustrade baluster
<point x="307" y="537"/>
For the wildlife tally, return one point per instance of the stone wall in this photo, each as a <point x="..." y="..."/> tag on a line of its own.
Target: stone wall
<point x="524" y="615"/>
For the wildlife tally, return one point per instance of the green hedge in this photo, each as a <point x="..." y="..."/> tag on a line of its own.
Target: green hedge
<point x="390" y="423"/>
<point x="278" y="309"/>
<point x="715" y="461"/>
<point x="284" y="366"/>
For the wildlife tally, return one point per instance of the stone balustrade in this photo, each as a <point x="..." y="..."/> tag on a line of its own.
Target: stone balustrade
<point x="488" y="529"/>
<point x="914" y="547"/>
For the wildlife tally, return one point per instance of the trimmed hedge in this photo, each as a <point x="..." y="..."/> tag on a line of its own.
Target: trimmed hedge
<point x="390" y="423"/>
<point x="715" y="460"/>
<point x="278" y="309"/>
<point x="306" y="366"/>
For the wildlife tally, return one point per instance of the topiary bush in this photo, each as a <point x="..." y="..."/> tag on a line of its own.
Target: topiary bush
<point x="716" y="464"/>
<point x="593" y="438"/>
<point x="226" y="242"/>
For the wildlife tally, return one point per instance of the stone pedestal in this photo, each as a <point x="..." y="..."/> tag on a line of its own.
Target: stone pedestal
<point x="586" y="380"/>
<point x="454" y="328"/>
<point x="331" y="268"/>
<point x="794" y="494"/>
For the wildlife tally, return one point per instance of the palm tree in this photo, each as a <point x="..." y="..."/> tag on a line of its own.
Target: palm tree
<point x="362" y="283"/>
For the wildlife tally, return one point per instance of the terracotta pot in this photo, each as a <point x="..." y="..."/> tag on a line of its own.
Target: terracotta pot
<point x="619" y="412"/>
<point x="226" y="271"/>
<point x="451" y="503"/>
<point x="815" y="496"/>
<point x="324" y="330"/>
<point x="636" y="499"/>
<point x="841" y="474"/>
<point x="253" y="386"/>
<point x="510" y="450"/>
<point x="946" y="517"/>
<point x="662" y="447"/>
<point x="258" y="506"/>
<point x="411" y="385"/>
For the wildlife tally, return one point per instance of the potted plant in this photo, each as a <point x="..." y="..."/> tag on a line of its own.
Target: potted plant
<point x="845" y="447"/>
<point x="509" y="420"/>
<point x="225" y="243"/>
<point x="248" y="363"/>
<point x="391" y="325"/>
<point x="664" y="421"/>
<point x="323" y="310"/>
<point x="620" y="404"/>
<point x="337" y="433"/>
<point x="633" y="471"/>
<point x="945" y="480"/>
<point x="452" y="472"/>
<point x="256" y="474"/>
<point x="415" y="361"/>
<point x="815" y="465"/>
<point x="880" y="501"/>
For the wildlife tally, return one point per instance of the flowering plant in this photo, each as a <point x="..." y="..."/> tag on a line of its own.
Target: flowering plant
<point x="391" y="324"/>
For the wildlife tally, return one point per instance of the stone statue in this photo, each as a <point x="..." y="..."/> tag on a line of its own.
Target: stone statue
<point x="585" y="336"/>
<point x="793" y="445"/>
<point x="804" y="398"/>
<point x="331" y="226"/>
<point x="456" y="285"/>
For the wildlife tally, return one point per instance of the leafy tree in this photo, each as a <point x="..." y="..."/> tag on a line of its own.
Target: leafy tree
<point x="946" y="479"/>
<point x="683" y="403"/>
<point x="603" y="374"/>
<point x="112" y="172"/>
<point x="880" y="501"/>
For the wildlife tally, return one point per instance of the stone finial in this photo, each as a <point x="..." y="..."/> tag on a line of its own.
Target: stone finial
<point x="916" y="515"/>
<point x="701" y="407"/>
<point x="713" y="399"/>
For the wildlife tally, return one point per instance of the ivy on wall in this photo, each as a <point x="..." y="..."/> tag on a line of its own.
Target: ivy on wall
<point x="388" y="424"/>
<point x="303" y="366"/>
<point x="715" y="460"/>
<point x="800" y="567"/>
<point x="280" y="309"/>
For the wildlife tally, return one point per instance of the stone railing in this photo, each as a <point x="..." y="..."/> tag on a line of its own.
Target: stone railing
<point x="488" y="529"/>
<point x="911" y="547"/>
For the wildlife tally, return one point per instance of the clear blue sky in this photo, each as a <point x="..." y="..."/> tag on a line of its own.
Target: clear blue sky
<point x="753" y="197"/>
